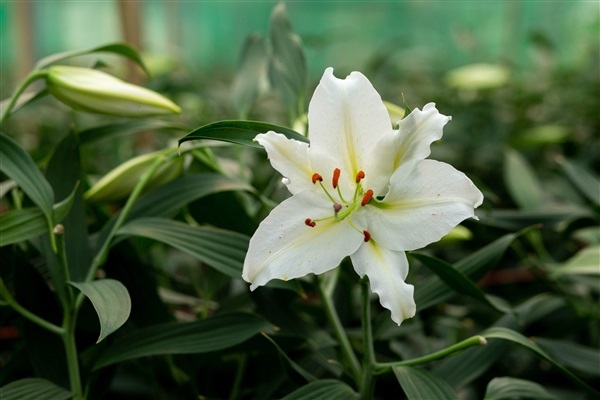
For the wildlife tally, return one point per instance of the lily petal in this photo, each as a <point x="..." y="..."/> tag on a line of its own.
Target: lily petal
<point x="346" y="119"/>
<point x="387" y="271"/>
<point x="416" y="132"/>
<point x="284" y="247"/>
<point x="426" y="200"/>
<point x="290" y="158"/>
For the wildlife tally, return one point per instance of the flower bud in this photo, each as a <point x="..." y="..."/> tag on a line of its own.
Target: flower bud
<point x="98" y="92"/>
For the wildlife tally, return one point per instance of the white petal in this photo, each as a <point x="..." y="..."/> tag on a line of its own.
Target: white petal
<point x="426" y="200"/>
<point x="416" y="132"/>
<point x="284" y="247"/>
<point x="290" y="158"/>
<point x="387" y="271"/>
<point x="346" y="120"/>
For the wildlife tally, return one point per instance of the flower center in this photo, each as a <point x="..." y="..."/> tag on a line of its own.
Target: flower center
<point x="343" y="208"/>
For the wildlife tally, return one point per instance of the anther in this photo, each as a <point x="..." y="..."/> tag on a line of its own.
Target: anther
<point x="316" y="177"/>
<point x="337" y="207"/>
<point x="336" y="177"/>
<point x="367" y="236"/>
<point x="359" y="176"/>
<point x="367" y="197"/>
<point x="310" y="222"/>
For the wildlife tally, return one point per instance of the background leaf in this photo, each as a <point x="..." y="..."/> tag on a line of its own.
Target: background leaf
<point x="223" y="250"/>
<point x="521" y="181"/>
<point x="251" y="78"/>
<point x="583" y="179"/>
<point x="324" y="389"/>
<point x="211" y="334"/>
<point x="507" y="388"/>
<point x="420" y="384"/>
<point x="111" y="301"/>
<point x="239" y="132"/>
<point x="34" y="389"/>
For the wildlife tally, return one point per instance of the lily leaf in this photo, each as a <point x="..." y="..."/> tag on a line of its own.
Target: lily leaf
<point x="111" y="301"/>
<point x="323" y="389"/>
<point x="239" y="132"/>
<point x="251" y="78"/>
<point x="507" y="388"/>
<point x="34" y="389"/>
<point x="516" y="337"/>
<point x="573" y="355"/>
<point x="121" y="49"/>
<point x="521" y="181"/>
<point x="583" y="179"/>
<point x="220" y="249"/>
<point x="301" y="371"/>
<point x="420" y="384"/>
<point x="212" y="334"/>
<point x="97" y="133"/>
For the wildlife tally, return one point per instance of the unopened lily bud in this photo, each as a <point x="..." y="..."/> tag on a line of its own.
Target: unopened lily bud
<point x="98" y="92"/>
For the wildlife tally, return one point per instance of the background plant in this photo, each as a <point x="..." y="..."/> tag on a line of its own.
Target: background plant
<point x="176" y="241"/>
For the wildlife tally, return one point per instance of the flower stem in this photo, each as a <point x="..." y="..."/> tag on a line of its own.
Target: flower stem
<point x="368" y="383"/>
<point x="103" y="251"/>
<point x="10" y="300"/>
<point x="68" y="338"/>
<point x="339" y="332"/>
<point x="34" y="75"/>
<point x="381" y="368"/>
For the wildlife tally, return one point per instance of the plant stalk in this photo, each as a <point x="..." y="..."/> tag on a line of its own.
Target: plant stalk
<point x="34" y="75"/>
<point x="367" y="385"/>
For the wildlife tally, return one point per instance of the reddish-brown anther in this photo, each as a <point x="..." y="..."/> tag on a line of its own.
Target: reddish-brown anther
<point x="367" y="236"/>
<point x="336" y="177"/>
<point x="367" y="197"/>
<point x="316" y="177"/>
<point x="310" y="222"/>
<point x="360" y="176"/>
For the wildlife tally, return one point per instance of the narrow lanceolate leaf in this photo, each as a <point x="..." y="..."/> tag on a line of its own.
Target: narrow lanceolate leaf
<point x="585" y="181"/>
<point x="212" y="334"/>
<point x="324" y="389"/>
<point x="33" y="389"/>
<point x="573" y="355"/>
<point x="26" y="223"/>
<point x="301" y="371"/>
<point x="29" y="96"/>
<point x="111" y="301"/>
<point x="507" y="388"/>
<point x="433" y="290"/>
<point x="585" y="262"/>
<point x="239" y="132"/>
<point x="457" y="281"/>
<point x="420" y="384"/>
<point x="251" y="77"/>
<point x="223" y="250"/>
<point x="121" y="49"/>
<point x="19" y="166"/>
<point x="516" y="337"/>
<point x="98" y="133"/>
<point x="521" y="181"/>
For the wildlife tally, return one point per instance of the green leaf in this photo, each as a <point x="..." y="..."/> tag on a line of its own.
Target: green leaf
<point x="19" y="166"/>
<point x="457" y="281"/>
<point x="239" y="132"/>
<point x="223" y="250"/>
<point x="287" y="63"/>
<point x="432" y="290"/>
<point x="573" y="355"/>
<point x="20" y="225"/>
<point x="519" y="219"/>
<point x="34" y="389"/>
<point x="301" y="371"/>
<point x="583" y="179"/>
<point x="419" y="384"/>
<point x="585" y="262"/>
<point x="329" y="389"/>
<point x="251" y="76"/>
<point x="507" y="388"/>
<point x="29" y="96"/>
<point x="97" y="133"/>
<point x="111" y="301"/>
<point x="516" y="337"/>
<point x="212" y="334"/>
<point x="521" y="181"/>
<point x="121" y="49"/>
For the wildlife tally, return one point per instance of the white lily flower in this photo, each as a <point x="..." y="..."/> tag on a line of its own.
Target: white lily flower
<point x="361" y="189"/>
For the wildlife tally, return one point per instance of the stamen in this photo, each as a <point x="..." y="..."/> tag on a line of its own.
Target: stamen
<point x="367" y="197"/>
<point x="316" y="177"/>
<point x="367" y="236"/>
<point x="310" y="222"/>
<point x="336" y="177"/>
<point x="359" y="176"/>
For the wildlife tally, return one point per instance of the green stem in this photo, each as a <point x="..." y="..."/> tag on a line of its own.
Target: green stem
<point x="10" y="300"/>
<point x="62" y="259"/>
<point x="34" y="75"/>
<point x="339" y="332"/>
<point x="68" y="338"/>
<point x="381" y="368"/>
<point x="103" y="251"/>
<point x="368" y="382"/>
<point x="239" y="374"/>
